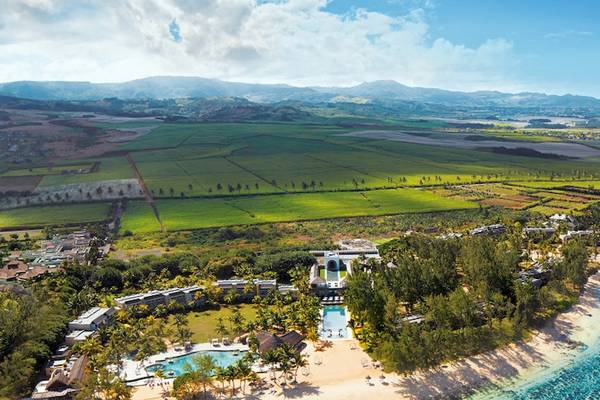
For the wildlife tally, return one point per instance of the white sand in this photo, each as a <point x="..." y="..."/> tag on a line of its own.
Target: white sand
<point x="341" y="375"/>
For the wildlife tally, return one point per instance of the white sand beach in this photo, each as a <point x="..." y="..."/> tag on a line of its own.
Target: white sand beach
<point x="341" y="374"/>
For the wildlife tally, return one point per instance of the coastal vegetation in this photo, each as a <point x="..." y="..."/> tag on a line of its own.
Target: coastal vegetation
<point x="464" y="293"/>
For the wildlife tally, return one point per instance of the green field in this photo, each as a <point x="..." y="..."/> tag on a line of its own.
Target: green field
<point x="560" y="184"/>
<point x="110" y="168"/>
<point x="215" y="174"/>
<point x="50" y="170"/>
<point x="191" y="160"/>
<point x="53" y="215"/>
<point x="205" y="213"/>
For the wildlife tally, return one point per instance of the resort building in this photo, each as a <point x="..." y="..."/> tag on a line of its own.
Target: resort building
<point x="184" y="296"/>
<point x="12" y="270"/>
<point x="246" y="289"/>
<point x="494" y="229"/>
<point x="17" y="270"/>
<point x="77" y="336"/>
<point x="61" y="249"/>
<point x="330" y="273"/>
<point x="576" y="234"/>
<point x="539" y="231"/>
<point x="287" y="289"/>
<point x="558" y="220"/>
<point x="92" y="319"/>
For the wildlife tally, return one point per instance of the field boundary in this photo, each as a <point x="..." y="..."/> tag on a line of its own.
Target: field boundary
<point x="147" y="193"/>
<point x="254" y="174"/>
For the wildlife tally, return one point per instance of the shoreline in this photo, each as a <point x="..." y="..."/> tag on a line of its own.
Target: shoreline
<point x="480" y="375"/>
<point x="339" y="373"/>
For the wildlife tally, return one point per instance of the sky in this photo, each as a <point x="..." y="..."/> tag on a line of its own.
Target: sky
<point x="548" y="46"/>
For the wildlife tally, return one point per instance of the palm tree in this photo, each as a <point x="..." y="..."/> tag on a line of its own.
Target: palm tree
<point x="182" y="332"/>
<point x="220" y="327"/>
<point x="205" y="366"/>
<point x="285" y="355"/>
<point x="221" y="376"/>
<point x="231" y="373"/>
<point x="244" y="372"/>
<point x="298" y="361"/>
<point x="237" y="322"/>
<point x="270" y="357"/>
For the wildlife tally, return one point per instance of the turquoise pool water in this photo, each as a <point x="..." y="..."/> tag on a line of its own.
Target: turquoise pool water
<point x="176" y="366"/>
<point x="334" y="324"/>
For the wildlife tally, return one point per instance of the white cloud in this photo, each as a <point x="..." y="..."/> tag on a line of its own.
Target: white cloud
<point x="293" y="41"/>
<point x="566" y="33"/>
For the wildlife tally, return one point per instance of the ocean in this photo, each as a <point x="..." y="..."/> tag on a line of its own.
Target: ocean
<point x="568" y="374"/>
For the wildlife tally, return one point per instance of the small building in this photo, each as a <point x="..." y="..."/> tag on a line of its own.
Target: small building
<point x="357" y="245"/>
<point x="557" y="220"/>
<point x="92" y="319"/>
<point x="538" y="274"/>
<point x="268" y="341"/>
<point x="64" y="383"/>
<point x="12" y="270"/>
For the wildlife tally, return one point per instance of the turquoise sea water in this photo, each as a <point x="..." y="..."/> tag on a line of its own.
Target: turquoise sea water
<point x="569" y="374"/>
<point x="575" y="377"/>
<point x="176" y="366"/>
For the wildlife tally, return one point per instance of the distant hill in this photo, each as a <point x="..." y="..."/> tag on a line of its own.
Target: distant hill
<point x="222" y="109"/>
<point x="165" y="87"/>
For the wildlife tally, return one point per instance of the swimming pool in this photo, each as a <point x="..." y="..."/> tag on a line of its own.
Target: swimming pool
<point x="334" y="324"/>
<point x="176" y="366"/>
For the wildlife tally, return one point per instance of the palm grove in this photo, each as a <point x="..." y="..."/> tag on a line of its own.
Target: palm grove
<point x="33" y="319"/>
<point x="465" y="291"/>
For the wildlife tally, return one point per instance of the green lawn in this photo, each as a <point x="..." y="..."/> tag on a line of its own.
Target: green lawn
<point x="205" y="213"/>
<point x="202" y="323"/>
<point x="53" y="215"/>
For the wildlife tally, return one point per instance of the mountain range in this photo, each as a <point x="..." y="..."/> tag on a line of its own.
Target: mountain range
<point x="381" y="92"/>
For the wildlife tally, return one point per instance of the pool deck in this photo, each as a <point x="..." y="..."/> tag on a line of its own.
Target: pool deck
<point x="135" y="374"/>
